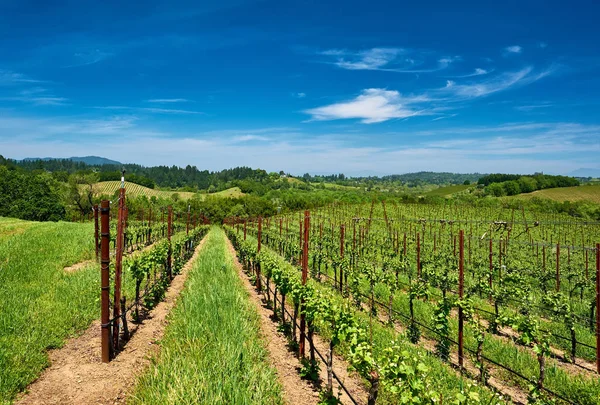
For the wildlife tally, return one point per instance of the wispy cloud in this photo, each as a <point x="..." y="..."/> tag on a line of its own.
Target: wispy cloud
<point x="250" y="137"/>
<point x="534" y="107"/>
<point x="167" y="100"/>
<point x="513" y="49"/>
<point x="8" y="78"/>
<point x="476" y="72"/>
<point x="38" y="100"/>
<point x="495" y="84"/>
<point x="378" y="105"/>
<point x="299" y="95"/>
<point x="388" y="59"/>
<point x="371" y="106"/>
<point x="150" y="110"/>
<point x="87" y="57"/>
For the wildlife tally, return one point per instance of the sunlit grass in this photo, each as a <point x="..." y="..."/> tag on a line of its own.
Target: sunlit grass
<point x="212" y="352"/>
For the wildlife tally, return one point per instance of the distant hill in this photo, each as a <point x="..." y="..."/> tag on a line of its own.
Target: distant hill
<point x="88" y="160"/>
<point x="434" y="177"/>
<point x="585" y="172"/>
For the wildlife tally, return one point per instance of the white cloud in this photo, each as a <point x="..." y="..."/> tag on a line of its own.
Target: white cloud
<point x="8" y="78"/>
<point x="495" y="84"/>
<point x="513" y="49"/>
<point x="299" y="95"/>
<point x="250" y="137"/>
<point x="371" y="59"/>
<point x="37" y="100"/>
<point x="151" y="110"/>
<point x="167" y="100"/>
<point x="476" y="72"/>
<point x="388" y="59"/>
<point x="378" y="105"/>
<point x="87" y="57"/>
<point x="371" y="106"/>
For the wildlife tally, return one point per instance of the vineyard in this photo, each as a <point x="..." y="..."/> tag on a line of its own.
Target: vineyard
<point x="579" y="193"/>
<point x="423" y="303"/>
<point x="505" y="297"/>
<point x="109" y="188"/>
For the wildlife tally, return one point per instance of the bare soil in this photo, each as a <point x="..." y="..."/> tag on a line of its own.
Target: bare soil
<point x="77" y="375"/>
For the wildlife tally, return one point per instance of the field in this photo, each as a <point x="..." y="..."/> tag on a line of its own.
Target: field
<point x="579" y="193"/>
<point x="110" y="187"/>
<point x="448" y="190"/>
<point x="42" y="305"/>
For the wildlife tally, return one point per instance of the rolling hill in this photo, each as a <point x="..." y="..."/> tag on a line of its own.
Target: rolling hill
<point x="110" y="187"/>
<point x="578" y="193"/>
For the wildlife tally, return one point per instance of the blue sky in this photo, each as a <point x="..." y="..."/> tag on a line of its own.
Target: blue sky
<point x="306" y="86"/>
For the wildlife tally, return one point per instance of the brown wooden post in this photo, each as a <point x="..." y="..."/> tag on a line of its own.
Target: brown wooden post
<point x="187" y="225"/>
<point x="96" y="230"/>
<point x="300" y="259"/>
<point x="245" y="223"/>
<point x="404" y="244"/>
<point x="105" y="279"/>
<point x="301" y="347"/>
<point x="418" y="255"/>
<point x="259" y="237"/>
<point x="491" y="266"/>
<point x="170" y="251"/>
<point x="587" y="272"/>
<point x="598" y="307"/>
<point x="119" y="264"/>
<point x="342" y="242"/>
<point x="558" y="267"/>
<point x="461" y="281"/>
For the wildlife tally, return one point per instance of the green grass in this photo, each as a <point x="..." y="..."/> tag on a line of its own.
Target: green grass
<point x="233" y="192"/>
<point x="40" y="304"/>
<point x="448" y="190"/>
<point x="212" y="352"/>
<point x="561" y="194"/>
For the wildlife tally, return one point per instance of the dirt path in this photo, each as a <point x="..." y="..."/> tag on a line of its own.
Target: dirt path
<point x="77" y="375"/>
<point x="296" y="390"/>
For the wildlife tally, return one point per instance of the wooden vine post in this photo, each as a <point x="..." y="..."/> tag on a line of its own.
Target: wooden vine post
<point x="259" y="237"/>
<point x="119" y="263"/>
<point x="342" y="231"/>
<point x="461" y="281"/>
<point x="96" y="235"/>
<point x="558" y="267"/>
<point x="170" y="251"/>
<point x="598" y="307"/>
<point x="105" y="279"/>
<point x="187" y="225"/>
<point x="491" y="267"/>
<point x="301" y="347"/>
<point x="244" y="229"/>
<point x="418" y="255"/>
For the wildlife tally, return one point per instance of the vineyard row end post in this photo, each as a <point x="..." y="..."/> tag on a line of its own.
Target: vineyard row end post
<point x="301" y="346"/>
<point x="461" y="281"/>
<point x="105" y="279"/>
<point x="259" y="237"/>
